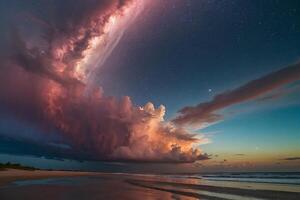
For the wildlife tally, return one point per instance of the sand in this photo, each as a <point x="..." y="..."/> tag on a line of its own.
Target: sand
<point x="91" y="186"/>
<point x="10" y="175"/>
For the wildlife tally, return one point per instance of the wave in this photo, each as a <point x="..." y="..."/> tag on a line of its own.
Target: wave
<point x="214" y="192"/>
<point x="270" y="177"/>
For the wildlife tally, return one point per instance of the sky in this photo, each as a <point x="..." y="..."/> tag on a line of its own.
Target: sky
<point x="151" y="86"/>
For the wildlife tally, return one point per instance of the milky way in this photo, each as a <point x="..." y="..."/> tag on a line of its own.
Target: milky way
<point x="49" y="81"/>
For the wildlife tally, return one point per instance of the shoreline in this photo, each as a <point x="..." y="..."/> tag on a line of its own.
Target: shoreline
<point x="193" y="190"/>
<point x="138" y="185"/>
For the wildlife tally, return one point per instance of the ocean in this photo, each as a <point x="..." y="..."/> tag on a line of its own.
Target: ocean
<point x="292" y="178"/>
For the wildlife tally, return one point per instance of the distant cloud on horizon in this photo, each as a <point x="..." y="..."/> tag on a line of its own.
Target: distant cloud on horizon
<point x="291" y="158"/>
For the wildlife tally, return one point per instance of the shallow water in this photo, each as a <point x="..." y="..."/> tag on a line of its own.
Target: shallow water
<point x="291" y="178"/>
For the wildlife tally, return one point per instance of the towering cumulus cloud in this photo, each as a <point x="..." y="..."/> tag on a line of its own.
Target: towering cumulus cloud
<point x="48" y="80"/>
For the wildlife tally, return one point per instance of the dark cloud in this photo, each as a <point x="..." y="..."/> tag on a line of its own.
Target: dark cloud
<point x="205" y="156"/>
<point x="207" y="112"/>
<point x="21" y="146"/>
<point x="291" y="158"/>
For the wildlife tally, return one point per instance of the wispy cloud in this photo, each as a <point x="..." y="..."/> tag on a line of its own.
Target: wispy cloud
<point x="291" y="158"/>
<point x="207" y="112"/>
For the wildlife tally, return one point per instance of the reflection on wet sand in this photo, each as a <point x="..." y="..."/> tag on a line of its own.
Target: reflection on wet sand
<point x="215" y="192"/>
<point x="89" y="188"/>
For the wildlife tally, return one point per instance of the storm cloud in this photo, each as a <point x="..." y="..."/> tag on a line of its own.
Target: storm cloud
<point x="47" y="80"/>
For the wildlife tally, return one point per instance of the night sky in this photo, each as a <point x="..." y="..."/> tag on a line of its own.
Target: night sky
<point x="226" y="72"/>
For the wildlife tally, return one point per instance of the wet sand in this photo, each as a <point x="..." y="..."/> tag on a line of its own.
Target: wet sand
<point x="60" y="185"/>
<point x="194" y="190"/>
<point x="10" y="175"/>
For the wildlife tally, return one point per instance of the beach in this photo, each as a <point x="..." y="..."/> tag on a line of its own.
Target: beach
<point x="39" y="184"/>
<point x="11" y="175"/>
<point x="19" y="184"/>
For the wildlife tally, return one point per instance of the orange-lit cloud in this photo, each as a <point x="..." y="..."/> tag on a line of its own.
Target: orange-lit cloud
<point x="51" y="83"/>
